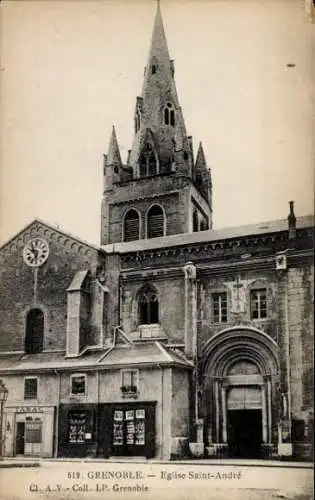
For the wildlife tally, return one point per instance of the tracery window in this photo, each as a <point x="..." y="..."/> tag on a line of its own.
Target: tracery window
<point x="148" y="306"/>
<point x="169" y="115"/>
<point x="148" y="162"/>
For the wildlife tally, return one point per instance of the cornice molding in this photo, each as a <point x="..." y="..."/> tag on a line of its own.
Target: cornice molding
<point x="154" y="196"/>
<point x="272" y="242"/>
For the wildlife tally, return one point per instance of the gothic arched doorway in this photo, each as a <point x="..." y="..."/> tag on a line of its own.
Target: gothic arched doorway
<point x="240" y="369"/>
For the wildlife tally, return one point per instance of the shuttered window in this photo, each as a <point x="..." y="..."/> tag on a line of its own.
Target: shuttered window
<point x="155" y="222"/>
<point x="131" y="225"/>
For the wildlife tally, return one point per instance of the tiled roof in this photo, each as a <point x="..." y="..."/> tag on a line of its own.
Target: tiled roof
<point x="46" y="361"/>
<point x="77" y="282"/>
<point x="207" y="236"/>
<point x="142" y="353"/>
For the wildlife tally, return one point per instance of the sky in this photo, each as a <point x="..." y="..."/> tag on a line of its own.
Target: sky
<point x="244" y="72"/>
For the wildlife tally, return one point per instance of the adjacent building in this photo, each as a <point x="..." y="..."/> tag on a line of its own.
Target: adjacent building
<point x="171" y="339"/>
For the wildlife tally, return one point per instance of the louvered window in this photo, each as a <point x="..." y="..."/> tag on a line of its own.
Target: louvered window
<point x="155" y="222"/>
<point x="131" y="225"/>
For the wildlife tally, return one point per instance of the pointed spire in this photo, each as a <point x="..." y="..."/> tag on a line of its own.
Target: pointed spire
<point x="159" y="48"/>
<point x="159" y="66"/>
<point x="113" y="157"/>
<point x="201" y="159"/>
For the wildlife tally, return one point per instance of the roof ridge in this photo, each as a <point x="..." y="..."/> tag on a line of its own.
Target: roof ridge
<point x="54" y="228"/>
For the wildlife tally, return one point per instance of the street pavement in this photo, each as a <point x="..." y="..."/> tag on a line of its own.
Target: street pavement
<point x="131" y="480"/>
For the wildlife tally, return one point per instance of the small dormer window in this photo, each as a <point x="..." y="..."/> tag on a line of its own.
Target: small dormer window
<point x="169" y="115"/>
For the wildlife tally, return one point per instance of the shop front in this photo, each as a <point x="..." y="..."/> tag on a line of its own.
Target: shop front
<point x="77" y="430"/>
<point x="29" y="431"/>
<point x="108" y="429"/>
<point x="127" y="429"/>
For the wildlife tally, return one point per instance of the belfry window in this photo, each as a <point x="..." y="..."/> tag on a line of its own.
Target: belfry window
<point x="34" y="337"/>
<point x="155" y="222"/>
<point x="148" y="306"/>
<point x="169" y="115"/>
<point x="153" y="69"/>
<point x="131" y="228"/>
<point x="147" y="162"/>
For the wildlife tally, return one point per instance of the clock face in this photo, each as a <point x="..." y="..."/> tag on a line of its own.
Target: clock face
<point x="36" y="252"/>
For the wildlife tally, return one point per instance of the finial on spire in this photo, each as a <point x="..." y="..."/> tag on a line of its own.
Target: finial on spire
<point x="201" y="159"/>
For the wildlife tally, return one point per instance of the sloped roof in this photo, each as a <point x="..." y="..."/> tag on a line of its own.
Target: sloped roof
<point x="57" y="229"/>
<point x="143" y="353"/>
<point x="46" y="361"/>
<point x="207" y="236"/>
<point x="78" y="281"/>
<point x="149" y="353"/>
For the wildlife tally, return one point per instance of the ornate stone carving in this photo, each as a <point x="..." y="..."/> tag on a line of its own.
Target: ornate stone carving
<point x="190" y="271"/>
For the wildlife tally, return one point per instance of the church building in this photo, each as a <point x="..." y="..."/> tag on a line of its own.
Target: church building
<point x="171" y="339"/>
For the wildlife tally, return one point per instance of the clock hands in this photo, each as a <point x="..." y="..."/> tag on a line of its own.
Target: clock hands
<point x="36" y="252"/>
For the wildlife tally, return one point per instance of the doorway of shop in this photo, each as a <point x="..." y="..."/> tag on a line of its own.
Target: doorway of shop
<point x="244" y="433"/>
<point x="20" y="438"/>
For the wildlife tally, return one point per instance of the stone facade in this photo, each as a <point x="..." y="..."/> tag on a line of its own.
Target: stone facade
<point x="177" y="338"/>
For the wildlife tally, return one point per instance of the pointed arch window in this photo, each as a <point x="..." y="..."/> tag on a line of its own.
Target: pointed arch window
<point x="147" y="162"/>
<point x="131" y="225"/>
<point x="169" y="115"/>
<point x="155" y="222"/>
<point x="34" y="337"/>
<point x="148" y="306"/>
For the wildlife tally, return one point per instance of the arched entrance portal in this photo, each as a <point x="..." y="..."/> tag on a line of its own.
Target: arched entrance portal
<point x="240" y="370"/>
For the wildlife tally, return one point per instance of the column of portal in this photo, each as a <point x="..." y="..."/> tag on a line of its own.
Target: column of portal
<point x="264" y="415"/>
<point x="224" y="425"/>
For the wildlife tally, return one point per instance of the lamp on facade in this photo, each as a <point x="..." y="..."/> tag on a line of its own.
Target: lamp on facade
<point x="3" y="397"/>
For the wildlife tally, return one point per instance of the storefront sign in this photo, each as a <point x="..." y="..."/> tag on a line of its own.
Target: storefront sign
<point x="30" y="409"/>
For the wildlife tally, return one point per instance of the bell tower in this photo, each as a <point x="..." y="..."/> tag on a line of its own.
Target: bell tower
<point x="160" y="185"/>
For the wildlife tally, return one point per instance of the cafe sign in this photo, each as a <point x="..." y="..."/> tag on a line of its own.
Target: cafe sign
<point x="30" y="409"/>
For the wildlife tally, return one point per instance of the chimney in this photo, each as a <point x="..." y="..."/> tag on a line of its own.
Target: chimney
<point x="292" y="222"/>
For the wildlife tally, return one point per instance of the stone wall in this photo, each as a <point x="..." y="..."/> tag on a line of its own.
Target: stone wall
<point x="23" y="287"/>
